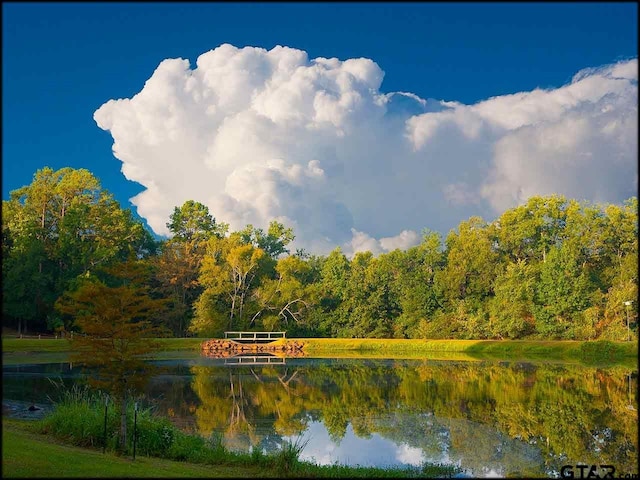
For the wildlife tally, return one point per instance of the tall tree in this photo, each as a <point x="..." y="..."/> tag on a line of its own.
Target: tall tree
<point x="511" y="310"/>
<point x="115" y="318"/>
<point x="230" y="270"/>
<point x="466" y="282"/>
<point x="274" y="242"/>
<point x="418" y="295"/>
<point x="528" y="232"/>
<point x="193" y="222"/>
<point x="178" y="265"/>
<point x="286" y="300"/>
<point x="562" y="293"/>
<point x="61" y="226"/>
<point x="335" y="273"/>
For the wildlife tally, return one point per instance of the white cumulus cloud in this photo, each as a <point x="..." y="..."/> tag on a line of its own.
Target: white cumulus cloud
<point x="260" y="134"/>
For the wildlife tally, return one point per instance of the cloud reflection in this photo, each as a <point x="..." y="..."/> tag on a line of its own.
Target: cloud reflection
<point x="374" y="451"/>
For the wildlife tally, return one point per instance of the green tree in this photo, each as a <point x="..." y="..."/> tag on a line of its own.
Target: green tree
<point x="419" y="298"/>
<point x="193" y="222"/>
<point x="230" y="270"/>
<point x="178" y="265"/>
<point x="61" y="226"/>
<point x="466" y="281"/>
<point x="287" y="299"/>
<point x="528" y="232"/>
<point x="370" y="304"/>
<point x="115" y="318"/>
<point x="273" y="243"/>
<point x="562" y="293"/>
<point x="511" y="310"/>
<point x="335" y="272"/>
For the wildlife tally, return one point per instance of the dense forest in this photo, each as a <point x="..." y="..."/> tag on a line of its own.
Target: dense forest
<point x="552" y="268"/>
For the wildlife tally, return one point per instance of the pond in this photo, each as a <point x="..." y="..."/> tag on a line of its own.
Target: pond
<point x="490" y="418"/>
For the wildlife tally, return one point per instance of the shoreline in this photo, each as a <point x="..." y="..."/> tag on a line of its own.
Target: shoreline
<point x="16" y="350"/>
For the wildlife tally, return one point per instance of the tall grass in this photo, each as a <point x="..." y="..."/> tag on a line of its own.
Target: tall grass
<point x="78" y="418"/>
<point x="287" y="460"/>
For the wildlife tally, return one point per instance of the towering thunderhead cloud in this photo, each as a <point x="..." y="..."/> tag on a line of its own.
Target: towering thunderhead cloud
<point x="258" y="135"/>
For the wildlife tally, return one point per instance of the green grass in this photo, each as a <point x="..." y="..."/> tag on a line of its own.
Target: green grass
<point x="595" y="352"/>
<point x="32" y="351"/>
<point x="26" y="345"/>
<point x="27" y="454"/>
<point x="16" y="350"/>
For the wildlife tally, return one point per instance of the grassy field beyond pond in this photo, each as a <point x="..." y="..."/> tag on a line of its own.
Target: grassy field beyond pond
<point x="592" y="352"/>
<point x="601" y="351"/>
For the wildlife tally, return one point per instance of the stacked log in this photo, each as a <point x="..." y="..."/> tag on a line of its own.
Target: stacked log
<point x="228" y="348"/>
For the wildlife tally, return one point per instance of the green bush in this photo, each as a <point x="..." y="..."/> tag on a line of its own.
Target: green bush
<point x="154" y="435"/>
<point x="188" y="448"/>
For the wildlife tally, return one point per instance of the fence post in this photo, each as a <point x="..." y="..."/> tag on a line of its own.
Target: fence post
<point x="106" y="402"/>
<point x="135" y="428"/>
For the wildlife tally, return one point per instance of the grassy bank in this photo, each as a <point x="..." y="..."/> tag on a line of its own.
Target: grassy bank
<point x="68" y="442"/>
<point x="570" y="351"/>
<point x="34" y="345"/>
<point x="33" y="351"/>
<point x="26" y="454"/>
<point x="594" y="352"/>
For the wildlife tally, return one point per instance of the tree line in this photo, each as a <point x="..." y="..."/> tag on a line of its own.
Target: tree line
<point x="552" y="268"/>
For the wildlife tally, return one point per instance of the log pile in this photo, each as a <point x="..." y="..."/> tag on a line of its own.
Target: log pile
<point x="227" y="348"/>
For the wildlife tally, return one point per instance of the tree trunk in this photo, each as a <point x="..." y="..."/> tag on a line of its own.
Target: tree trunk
<point x="123" y="424"/>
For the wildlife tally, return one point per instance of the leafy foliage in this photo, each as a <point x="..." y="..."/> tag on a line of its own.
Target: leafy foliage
<point x="550" y="268"/>
<point x="114" y="316"/>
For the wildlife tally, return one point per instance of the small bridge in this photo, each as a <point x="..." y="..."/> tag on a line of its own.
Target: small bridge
<point x="254" y="337"/>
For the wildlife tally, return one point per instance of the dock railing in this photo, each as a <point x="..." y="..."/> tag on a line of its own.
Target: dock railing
<point x="255" y="360"/>
<point x="254" y="335"/>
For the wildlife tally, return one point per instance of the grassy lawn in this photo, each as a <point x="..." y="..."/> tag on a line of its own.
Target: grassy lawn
<point x="48" y="350"/>
<point x="31" y="455"/>
<point x="51" y="345"/>
<point x="568" y="351"/>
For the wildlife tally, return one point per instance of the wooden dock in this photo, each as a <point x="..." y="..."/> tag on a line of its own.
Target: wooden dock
<point x="252" y="343"/>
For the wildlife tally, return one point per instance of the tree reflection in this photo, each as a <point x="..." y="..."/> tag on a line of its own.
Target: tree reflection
<point x="519" y="418"/>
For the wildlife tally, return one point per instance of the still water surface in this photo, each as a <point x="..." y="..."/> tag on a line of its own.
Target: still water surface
<point x="490" y="418"/>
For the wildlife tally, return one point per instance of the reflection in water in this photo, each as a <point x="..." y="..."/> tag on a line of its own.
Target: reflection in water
<point x="255" y="360"/>
<point x="507" y="419"/>
<point x="355" y="450"/>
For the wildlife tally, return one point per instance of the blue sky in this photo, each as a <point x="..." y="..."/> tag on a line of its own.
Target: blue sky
<point x="61" y="62"/>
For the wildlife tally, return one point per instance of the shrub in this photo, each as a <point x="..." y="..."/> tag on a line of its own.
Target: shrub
<point x="187" y="448"/>
<point x="600" y="351"/>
